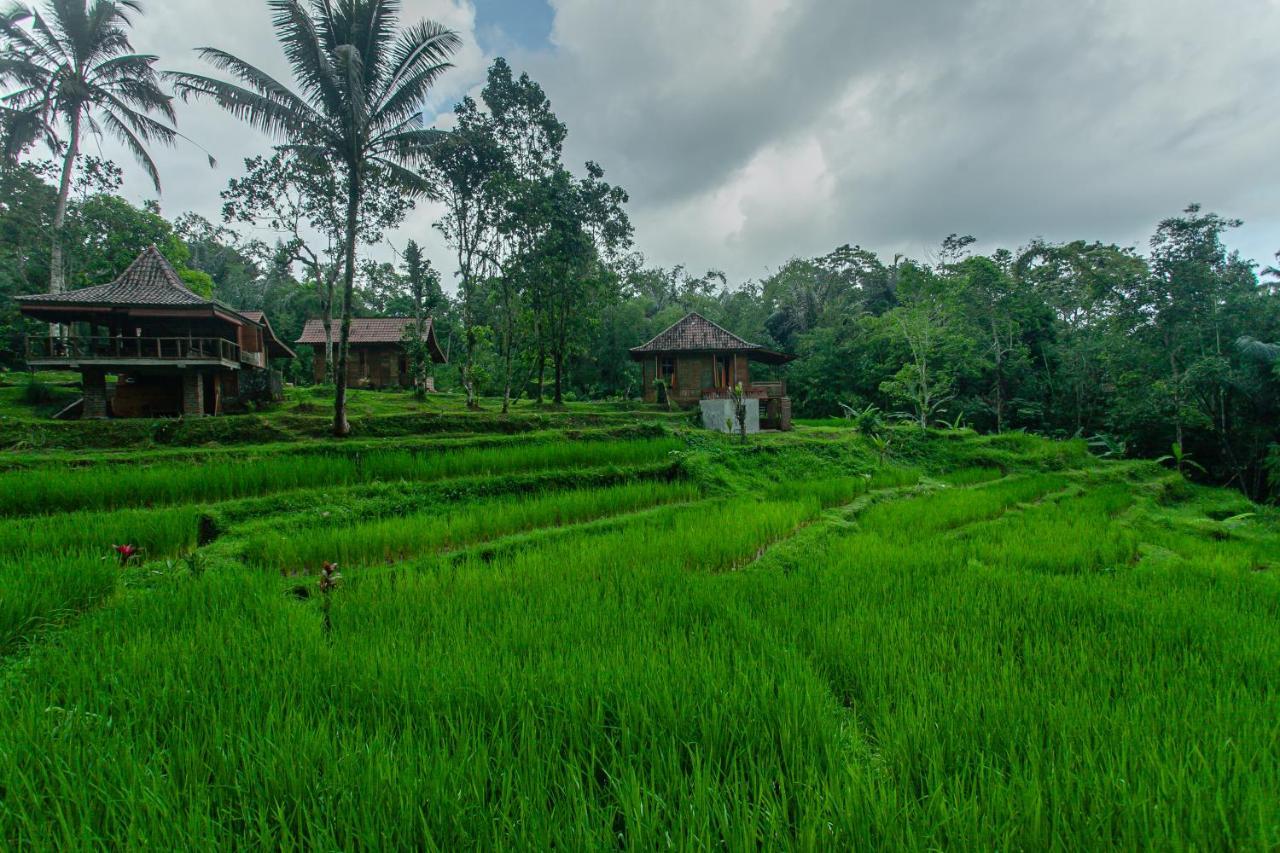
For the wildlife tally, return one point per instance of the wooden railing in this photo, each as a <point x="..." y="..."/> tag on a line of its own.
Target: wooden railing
<point x="756" y="390"/>
<point x="114" y="349"/>
<point x="257" y="359"/>
<point x="777" y="388"/>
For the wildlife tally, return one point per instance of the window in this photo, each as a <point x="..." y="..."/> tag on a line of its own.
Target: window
<point x="667" y="371"/>
<point x="721" y="371"/>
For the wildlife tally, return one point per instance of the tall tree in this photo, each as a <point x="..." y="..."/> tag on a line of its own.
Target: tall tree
<point x="929" y="322"/>
<point x="466" y="171"/>
<point x="75" y="71"/>
<point x="427" y="296"/>
<point x="301" y="200"/>
<point x="424" y="282"/>
<point x="358" y="107"/>
<point x="531" y="138"/>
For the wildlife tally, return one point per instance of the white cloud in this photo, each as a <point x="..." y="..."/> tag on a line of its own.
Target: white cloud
<point x="748" y="131"/>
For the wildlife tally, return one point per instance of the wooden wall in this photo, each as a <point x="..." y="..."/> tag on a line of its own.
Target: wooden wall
<point x="695" y="373"/>
<point x="147" y="395"/>
<point x="368" y="366"/>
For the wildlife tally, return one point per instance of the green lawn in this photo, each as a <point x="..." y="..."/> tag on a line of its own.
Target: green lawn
<point x="597" y="628"/>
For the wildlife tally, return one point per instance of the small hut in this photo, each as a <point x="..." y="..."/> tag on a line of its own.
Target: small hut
<point x="171" y="350"/>
<point x="377" y="357"/>
<point x="697" y="360"/>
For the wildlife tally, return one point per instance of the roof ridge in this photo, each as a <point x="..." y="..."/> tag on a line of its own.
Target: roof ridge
<point x="723" y="329"/>
<point x="172" y="279"/>
<point x="669" y="330"/>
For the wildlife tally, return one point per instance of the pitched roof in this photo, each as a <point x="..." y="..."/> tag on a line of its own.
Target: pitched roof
<point x="150" y="280"/>
<point x="372" y="330"/>
<point x="275" y="346"/>
<point x="695" y="333"/>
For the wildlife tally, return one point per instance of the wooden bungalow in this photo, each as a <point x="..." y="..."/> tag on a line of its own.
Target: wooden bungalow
<point x="699" y="360"/>
<point x="171" y="350"/>
<point x="377" y="358"/>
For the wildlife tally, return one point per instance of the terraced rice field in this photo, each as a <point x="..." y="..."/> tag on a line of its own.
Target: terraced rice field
<point x="585" y="640"/>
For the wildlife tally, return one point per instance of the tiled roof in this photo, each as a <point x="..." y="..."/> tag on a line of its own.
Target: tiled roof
<point x="149" y="280"/>
<point x="364" y="330"/>
<point x="695" y="333"/>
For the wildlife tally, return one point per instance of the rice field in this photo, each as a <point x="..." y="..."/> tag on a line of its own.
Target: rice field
<point x="978" y="644"/>
<point x="55" y="489"/>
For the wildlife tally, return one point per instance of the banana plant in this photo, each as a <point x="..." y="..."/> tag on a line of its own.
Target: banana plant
<point x="1181" y="459"/>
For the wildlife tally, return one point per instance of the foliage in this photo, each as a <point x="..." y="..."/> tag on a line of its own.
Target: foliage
<point x="357" y="111"/>
<point x="75" y="71"/>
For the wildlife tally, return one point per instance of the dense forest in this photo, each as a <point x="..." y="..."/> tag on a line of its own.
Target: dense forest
<point x="1172" y="351"/>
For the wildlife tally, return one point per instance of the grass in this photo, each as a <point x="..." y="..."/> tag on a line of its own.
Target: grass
<point x="388" y="540"/>
<point x="158" y="532"/>
<point x="987" y="643"/>
<point x="36" y="592"/>
<point x="35" y="491"/>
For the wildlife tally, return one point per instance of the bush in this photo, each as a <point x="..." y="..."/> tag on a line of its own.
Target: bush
<point x="36" y="392"/>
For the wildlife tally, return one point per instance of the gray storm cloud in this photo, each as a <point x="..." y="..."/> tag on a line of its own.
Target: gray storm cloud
<point x="751" y="131"/>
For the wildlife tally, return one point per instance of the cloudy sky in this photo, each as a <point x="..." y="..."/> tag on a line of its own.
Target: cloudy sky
<point x="751" y="131"/>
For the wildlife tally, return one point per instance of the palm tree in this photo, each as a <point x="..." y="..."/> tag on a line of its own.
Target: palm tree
<point x="357" y="109"/>
<point x="75" y="69"/>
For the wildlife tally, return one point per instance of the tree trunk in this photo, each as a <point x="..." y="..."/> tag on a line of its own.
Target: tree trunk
<point x="542" y="371"/>
<point x="558" y="358"/>
<point x="419" y="371"/>
<point x="340" y="425"/>
<point x="998" y="351"/>
<point x="326" y="319"/>
<point x="57" y="270"/>
<point x="57" y="273"/>
<point x="467" y="372"/>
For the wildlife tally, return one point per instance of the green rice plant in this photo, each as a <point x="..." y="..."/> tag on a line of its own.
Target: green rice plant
<point x="1078" y="534"/>
<point x="942" y="511"/>
<point x="829" y="492"/>
<point x="1080" y="660"/>
<point x="37" y="491"/>
<point x="413" y="671"/>
<point x="388" y="540"/>
<point x="157" y="532"/>
<point x="893" y="477"/>
<point x="971" y="476"/>
<point x="37" y="591"/>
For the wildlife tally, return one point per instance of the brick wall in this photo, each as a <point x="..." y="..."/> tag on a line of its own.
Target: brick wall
<point x="95" y="394"/>
<point x="192" y="394"/>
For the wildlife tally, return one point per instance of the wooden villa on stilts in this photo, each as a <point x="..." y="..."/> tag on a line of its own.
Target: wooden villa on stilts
<point x="172" y="351"/>
<point x="697" y="360"/>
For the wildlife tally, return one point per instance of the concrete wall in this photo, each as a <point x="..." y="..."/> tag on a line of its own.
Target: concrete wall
<point x="718" y="415"/>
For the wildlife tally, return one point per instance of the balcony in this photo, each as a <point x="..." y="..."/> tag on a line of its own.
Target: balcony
<point x="74" y="352"/>
<point x="756" y="391"/>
